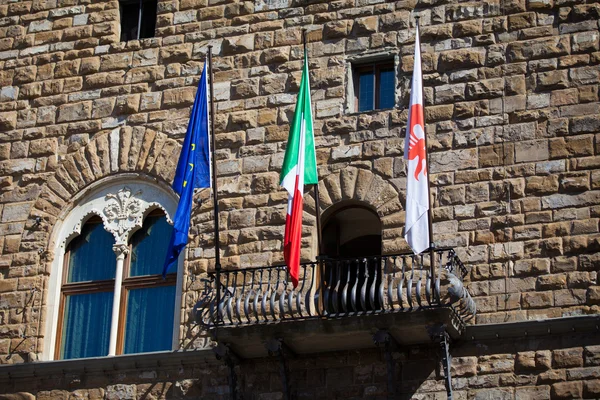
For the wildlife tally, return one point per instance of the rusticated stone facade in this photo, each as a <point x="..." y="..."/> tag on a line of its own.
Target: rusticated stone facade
<point x="513" y="123"/>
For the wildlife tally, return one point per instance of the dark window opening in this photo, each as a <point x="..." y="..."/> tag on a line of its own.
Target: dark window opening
<point x="374" y="86"/>
<point x="138" y="19"/>
<point x="352" y="242"/>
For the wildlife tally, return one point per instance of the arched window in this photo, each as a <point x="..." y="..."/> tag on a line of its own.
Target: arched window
<point x="106" y="292"/>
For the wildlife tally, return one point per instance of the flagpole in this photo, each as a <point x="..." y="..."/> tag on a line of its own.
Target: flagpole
<point x="214" y="185"/>
<point x="430" y="210"/>
<point x="316" y="186"/>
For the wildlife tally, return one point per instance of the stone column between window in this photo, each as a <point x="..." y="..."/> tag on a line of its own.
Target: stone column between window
<point x="121" y="250"/>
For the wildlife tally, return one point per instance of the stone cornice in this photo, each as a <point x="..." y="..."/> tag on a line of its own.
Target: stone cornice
<point x="206" y="356"/>
<point x="101" y="365"/>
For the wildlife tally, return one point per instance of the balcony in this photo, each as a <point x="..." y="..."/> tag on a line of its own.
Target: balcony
<point x="339" y="304"/>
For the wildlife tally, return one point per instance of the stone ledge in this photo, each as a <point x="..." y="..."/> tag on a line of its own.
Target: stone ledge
<point x="154" y="360"/>
<point x="524" y="329"/>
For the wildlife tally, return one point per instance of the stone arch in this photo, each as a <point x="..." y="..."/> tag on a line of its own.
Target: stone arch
<point x="369" y="189"/>
<point x="137" y="151"/>
<point x="123" y="150"/>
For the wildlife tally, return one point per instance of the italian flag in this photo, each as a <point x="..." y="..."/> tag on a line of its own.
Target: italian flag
<point x="299" y="167"/>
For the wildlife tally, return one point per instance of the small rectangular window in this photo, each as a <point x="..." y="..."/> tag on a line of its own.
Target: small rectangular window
<point x="374" y="86"/>
<point x="138" y="19"/>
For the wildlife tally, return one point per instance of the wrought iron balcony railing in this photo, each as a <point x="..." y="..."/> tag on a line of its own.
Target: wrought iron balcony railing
<point x="334" y="288"/>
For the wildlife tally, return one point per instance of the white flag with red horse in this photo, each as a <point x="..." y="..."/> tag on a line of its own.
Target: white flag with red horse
<point x="416" y="231"/>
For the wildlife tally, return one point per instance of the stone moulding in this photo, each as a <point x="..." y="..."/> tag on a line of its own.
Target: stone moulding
<point x="122" y="213"/>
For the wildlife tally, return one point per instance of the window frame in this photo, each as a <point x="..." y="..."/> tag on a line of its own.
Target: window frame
<point x="151" y="195"/>
<point x="375" y="68"/>
<point x="137" y="282"/>
<point x="73" y="288"/>
<point x="384" y="60"/>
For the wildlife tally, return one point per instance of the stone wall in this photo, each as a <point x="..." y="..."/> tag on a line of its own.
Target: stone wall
<point x="513" y="122"/>
<point x="550" y="367"/>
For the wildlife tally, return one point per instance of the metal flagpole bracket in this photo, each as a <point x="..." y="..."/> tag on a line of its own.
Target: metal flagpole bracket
<point x="276" y="347"/>
<point x="439" y="335"/>
<point x="388" y="345"/>
<point x="223" y="352"/>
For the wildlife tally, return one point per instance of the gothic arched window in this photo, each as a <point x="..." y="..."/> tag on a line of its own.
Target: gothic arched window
<point x="110" y="297"/>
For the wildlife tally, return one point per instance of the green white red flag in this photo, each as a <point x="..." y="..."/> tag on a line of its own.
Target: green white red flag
<point x="299" y="168"/>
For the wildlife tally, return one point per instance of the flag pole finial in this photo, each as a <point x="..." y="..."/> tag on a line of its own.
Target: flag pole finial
<point x="304" y="38"/>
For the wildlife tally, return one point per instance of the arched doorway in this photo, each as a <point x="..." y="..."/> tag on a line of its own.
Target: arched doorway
<point x="351" y="244"/>
<point x="352" y="231"/>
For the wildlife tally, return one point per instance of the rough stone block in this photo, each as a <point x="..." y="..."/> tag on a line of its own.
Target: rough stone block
<point x="532" y="267"/>
<point x="567" y="390"/>
<point x="463" y="58"/>
<point x="531" y="151"/>
<point x="8" y="120"/>
<point x="75" y="112"/>
<point x="236" y="45"/>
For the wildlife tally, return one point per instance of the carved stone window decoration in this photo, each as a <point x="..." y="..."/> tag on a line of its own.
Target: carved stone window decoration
<point x="123" y="212"/>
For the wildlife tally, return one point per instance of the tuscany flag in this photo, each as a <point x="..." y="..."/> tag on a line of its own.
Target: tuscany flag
<point x="299" y="167"/>
<point x="416" y="231"/>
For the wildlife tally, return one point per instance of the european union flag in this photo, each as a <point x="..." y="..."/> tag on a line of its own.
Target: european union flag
<point x="193" y="171"/>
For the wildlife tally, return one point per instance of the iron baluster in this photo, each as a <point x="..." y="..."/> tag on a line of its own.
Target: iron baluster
<point x="267" y="295"/>
<point x="409" y="283"/>
<point x="391" y="276"/>
<point x="363" y="289"/>
<point x="247" y="300"/>
<point x="299" y="294"/>
<point x="381" y="282"/>
<point x="354" y="289"/>
<point x="335" y="290"/>
<point x="420" y="282"/>
<point x="438" y="279"/>
<point x="318" y="299"/>
<point x="290" y="302"/>
<point x="308" y="300"/>
<point x="274" y="295"/>
<point x="428" y="287"/>
<point x="231" y="295"/>
<point x="257" y="296"/>
<point x="326" y="289"/>
<point x="401" y="283"/>
<point x="373" y="284"/>
<point x="239" y="299"/>
<point x="282" y="298"/>
<point x="345" y="289"/>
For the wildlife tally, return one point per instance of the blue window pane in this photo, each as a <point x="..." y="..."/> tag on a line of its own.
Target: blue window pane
<point x="386" y="88"/>
<point x="149" y="246"/>
<point x="91" y="256"/>
<point x="86" y="326"/>
<point x="149" y="325"/>
<point x="366" y="90"/>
